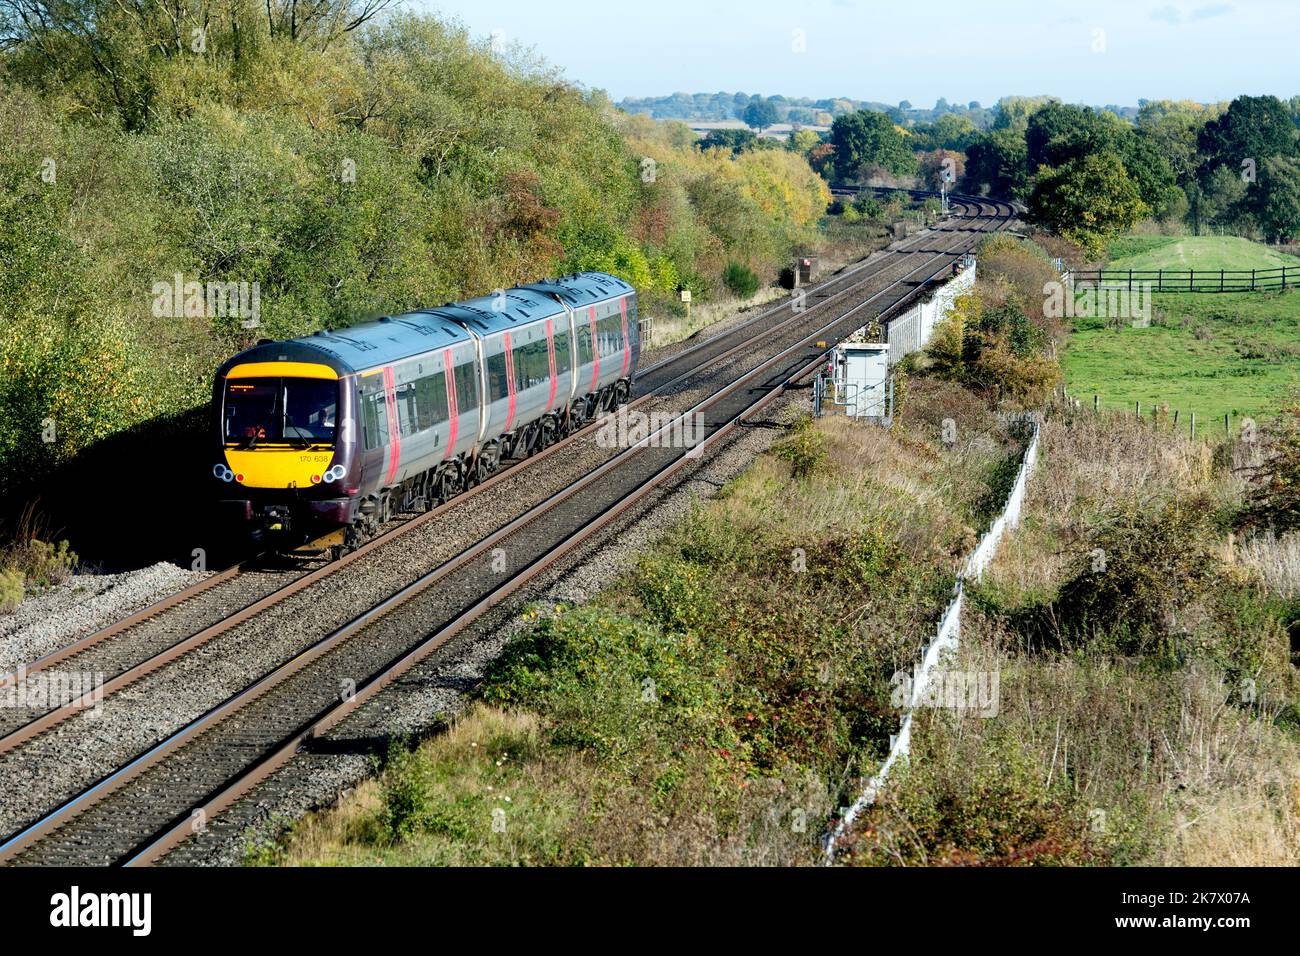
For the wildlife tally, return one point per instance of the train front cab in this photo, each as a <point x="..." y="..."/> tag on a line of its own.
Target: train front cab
<point x="287" y="447"/>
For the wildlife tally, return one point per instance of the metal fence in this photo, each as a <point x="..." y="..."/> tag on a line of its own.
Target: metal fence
<point x="1189" y="280"/>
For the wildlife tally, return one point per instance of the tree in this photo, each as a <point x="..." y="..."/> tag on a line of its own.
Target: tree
<point x="1275" y="197"/>
<point x="803" y="141"/>
<point x="759" y="115"/>
<point x="1087" y="200"/>
<point x="1220" y="200"/>
<point x="869" y="138"/>
<point x="1252" y="129"/>
<point x="995" y="163"/>
<point x="735" y="140"/>
<point x="1059" y="132"/>
<point x="936" y="163"/>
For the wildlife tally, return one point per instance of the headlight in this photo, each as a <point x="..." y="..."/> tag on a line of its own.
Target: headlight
<point x="222" y="472"/>
<point x="335" y="473"/>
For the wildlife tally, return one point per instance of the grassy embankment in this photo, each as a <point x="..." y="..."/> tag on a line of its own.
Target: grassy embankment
<point x="716" y="705"/>
<point x="1213" y="354"/>
<point x="1148" y="685"/>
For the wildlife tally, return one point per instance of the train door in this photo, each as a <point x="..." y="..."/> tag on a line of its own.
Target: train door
<point x="374" y="444"/>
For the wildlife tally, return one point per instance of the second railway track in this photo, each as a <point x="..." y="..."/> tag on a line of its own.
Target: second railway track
<point x="144" y="807"/>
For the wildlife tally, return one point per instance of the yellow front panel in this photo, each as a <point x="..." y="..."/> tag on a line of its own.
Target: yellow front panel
<point x="282" y="369"/>
<point x="272" y="467"/>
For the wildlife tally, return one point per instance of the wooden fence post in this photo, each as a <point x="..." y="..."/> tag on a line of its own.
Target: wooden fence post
<point x="1096" y="403"/>
<point x="1227" y="424"/>
<point x="1193" y="425"/>
<point x="1138" y="409"/>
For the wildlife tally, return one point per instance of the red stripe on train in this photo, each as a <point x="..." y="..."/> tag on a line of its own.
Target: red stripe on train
<point x="510" y="383"/>
<point x="627" y="342"/>
<point x="550" y="357"/>
<point x="394" y="433"/>
<point x="453" y="411"/>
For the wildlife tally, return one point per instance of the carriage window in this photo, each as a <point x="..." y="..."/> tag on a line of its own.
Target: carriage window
<point x="498" y="387"/>
<point x="431" y="400"/>
<point x="563" y="359"/>
<point x="585" y="353"/>
<point x="533" y="364"/>
<point x="466" y="379"/>
<point x="374" y="419"/>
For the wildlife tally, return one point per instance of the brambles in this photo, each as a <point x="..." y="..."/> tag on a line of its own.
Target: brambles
<point x="1137" y="573"/>
<point x="1274" y="500"/>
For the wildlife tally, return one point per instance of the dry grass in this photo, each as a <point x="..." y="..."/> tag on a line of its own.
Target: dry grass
<point x="1181" y="776"/>
<point x="1183" y="771"/>
<point x="1274" y="561"/>
<point x="1087" y="465"/>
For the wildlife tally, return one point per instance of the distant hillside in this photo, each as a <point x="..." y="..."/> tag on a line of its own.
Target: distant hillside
<point x="802" y="110"/>
<point x="706" y="107"/>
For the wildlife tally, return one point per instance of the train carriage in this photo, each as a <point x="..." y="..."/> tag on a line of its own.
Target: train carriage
<point x="341" y="429"/>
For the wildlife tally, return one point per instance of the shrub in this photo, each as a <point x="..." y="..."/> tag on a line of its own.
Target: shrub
<point x="740" y="280"/>
<point x="804" y="448"/>
<point x="11" y="590"/>
<point x="403" y="793"/>
<point x="1274" y="501"/>
<point x="44" y="565"/>
<point x="1137" y="575"/>
<point x="998" y="812"/>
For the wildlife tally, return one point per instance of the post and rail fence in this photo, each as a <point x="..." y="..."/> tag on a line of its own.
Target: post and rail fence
<point x="1189" y="280"/>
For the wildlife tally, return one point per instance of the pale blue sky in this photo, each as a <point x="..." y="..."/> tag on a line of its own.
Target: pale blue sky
<point x="916" y="50"/>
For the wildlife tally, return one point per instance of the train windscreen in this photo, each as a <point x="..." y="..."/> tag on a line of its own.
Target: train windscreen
<point x="295" y="411"/>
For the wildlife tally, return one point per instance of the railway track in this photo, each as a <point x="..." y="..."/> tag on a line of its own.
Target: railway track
<point x="153" y="637"/>
<point x="149" y="805"/>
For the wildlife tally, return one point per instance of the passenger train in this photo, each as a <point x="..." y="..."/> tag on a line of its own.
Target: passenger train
<point x="340" y="430"/>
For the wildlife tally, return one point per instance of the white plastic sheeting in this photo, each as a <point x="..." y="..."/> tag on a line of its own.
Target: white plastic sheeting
<point x="946" y="639"/>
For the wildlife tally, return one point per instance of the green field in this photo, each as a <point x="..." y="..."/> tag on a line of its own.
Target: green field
<point x="1212" y="354"/>
<point x="1180" y="253"/>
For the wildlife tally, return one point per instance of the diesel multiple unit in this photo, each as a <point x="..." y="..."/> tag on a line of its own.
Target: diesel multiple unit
<point x="342" y="429"/>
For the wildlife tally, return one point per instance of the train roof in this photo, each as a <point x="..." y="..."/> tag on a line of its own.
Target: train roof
<point x="397" y="337"/>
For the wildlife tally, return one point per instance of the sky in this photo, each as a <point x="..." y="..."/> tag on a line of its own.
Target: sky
<point x="1099" y="52"/>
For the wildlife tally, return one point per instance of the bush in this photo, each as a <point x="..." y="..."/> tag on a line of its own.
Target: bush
<point x="1136" y="578"/>
<point x="403" y="792"/>
<point x="42" y="564"/>
<point x="804" y="448"/>
<point x="11" y="590"/>
<point x="1274" y="500"/>
<point x="740" y="280"/>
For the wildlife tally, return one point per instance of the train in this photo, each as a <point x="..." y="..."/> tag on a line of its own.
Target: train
<point x="329" y="436"/>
